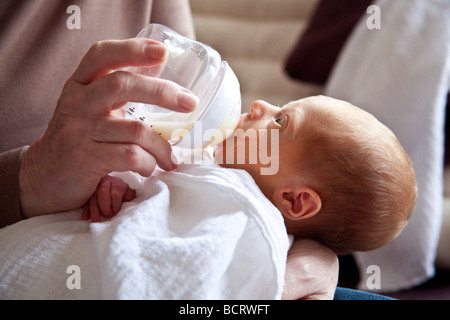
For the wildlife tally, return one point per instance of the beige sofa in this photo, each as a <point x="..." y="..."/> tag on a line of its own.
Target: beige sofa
<point x="255" y="37"/>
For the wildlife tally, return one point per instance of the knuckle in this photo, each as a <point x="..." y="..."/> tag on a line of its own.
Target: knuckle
<point x="116" y="193"/>
<point x="164" y="90"/>
<point x="150" y="167"/>
<point x="119" y="82"/>
<point x="137" y="129"/>
<point x="131" y="155"/>
<point x="96" y="48"/>
<point x="102" y="191"/>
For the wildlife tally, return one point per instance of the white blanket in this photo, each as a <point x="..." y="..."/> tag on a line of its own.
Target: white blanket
<point x="199" y="233"/>
<point x="400" y="73"/>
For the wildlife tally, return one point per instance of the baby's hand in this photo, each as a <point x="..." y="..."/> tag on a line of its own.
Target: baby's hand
<point x="107" y="200"/>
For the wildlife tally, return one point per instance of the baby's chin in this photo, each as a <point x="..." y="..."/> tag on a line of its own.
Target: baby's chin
<point x="220" y="153"/>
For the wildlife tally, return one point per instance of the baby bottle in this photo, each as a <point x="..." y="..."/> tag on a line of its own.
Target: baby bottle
<point x="200" y="69"/>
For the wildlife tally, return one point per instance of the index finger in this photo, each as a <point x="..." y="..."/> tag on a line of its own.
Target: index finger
<point x="106" y="56"/>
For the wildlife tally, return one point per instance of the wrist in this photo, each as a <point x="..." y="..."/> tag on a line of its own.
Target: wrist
<point x="30" y="198"/>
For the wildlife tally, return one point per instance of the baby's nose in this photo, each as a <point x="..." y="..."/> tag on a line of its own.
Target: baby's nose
<point x="261" y="108"/>
<point x="256" y="110"/>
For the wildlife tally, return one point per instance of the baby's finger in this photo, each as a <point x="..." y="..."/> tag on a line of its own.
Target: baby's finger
<point x="129" y="195"/>
<point x="119" y="194"/>
<point x="94" y="209"/>
<point x="85" y="214"/>
<point x="104" y="194"/>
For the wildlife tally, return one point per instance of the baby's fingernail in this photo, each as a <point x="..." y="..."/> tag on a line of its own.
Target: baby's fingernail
<point x="155" y="51"/>
<point x="186" y="100"/>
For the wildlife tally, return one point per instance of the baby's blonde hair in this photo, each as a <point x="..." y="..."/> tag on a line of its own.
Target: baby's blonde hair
<point x="365" y="179"/>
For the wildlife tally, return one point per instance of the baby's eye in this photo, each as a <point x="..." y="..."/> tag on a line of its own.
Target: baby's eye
<point x="281" y="121"/>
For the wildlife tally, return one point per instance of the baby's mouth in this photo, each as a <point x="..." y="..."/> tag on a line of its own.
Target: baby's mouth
<point x="243" y="118"/>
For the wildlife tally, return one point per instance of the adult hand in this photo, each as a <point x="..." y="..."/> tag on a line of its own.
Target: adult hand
<point x="312" y="271"/>
<point x="87" y="137"/>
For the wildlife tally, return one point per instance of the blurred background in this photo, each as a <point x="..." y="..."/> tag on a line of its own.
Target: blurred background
<point x="255" y="38"/>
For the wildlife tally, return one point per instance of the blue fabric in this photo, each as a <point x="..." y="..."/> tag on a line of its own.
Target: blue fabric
<point x="351" y="294"/>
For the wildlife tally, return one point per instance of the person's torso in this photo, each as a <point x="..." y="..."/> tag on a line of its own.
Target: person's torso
<point x="40" y="48"/>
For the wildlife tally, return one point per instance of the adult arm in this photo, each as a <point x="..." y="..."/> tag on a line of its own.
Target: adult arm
<point x="175" y="14"/>
<point x="311" y="272"/>
<point x="9" y="186"/>
<point x="166" y="12"/>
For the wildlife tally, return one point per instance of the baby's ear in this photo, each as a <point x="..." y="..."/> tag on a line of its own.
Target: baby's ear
<point x="297" y="202"/>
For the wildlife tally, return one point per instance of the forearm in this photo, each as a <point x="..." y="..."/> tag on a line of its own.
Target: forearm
<point x="10" y="211"/>
<point x="311" y="272"/>
<point x="175" y="14"/>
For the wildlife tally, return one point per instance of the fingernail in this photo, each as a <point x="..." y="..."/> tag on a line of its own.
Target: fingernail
<point x="155" y="51"/>
<point x="187" y="101"/>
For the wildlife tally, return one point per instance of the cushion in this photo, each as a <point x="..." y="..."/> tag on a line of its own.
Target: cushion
<point x="317" y="49"/>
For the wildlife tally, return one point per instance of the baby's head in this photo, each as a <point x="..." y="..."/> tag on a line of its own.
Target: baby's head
<point x="343" y="178"/>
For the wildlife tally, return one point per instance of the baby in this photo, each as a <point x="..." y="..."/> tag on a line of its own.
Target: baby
<point x="343" y="178"/>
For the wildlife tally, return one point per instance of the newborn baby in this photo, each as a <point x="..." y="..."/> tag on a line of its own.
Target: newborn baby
<point x="343" y="179"/>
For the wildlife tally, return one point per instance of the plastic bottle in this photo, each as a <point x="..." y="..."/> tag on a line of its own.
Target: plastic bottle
<point x="199" y="68"/>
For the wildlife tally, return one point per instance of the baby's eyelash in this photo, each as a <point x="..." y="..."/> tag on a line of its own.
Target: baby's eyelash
<point x="281" y="120"/>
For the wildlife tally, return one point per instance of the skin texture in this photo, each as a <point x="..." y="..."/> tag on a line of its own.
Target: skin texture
<point x="87" y="128"/>
<point x="312" y="272"/>
<point x="287" y="189"/>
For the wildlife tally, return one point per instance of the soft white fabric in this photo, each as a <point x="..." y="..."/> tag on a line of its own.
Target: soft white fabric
<point x="35" y="255"/>
<point x="202" y="232"/>
<point x="400" y="73"/>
